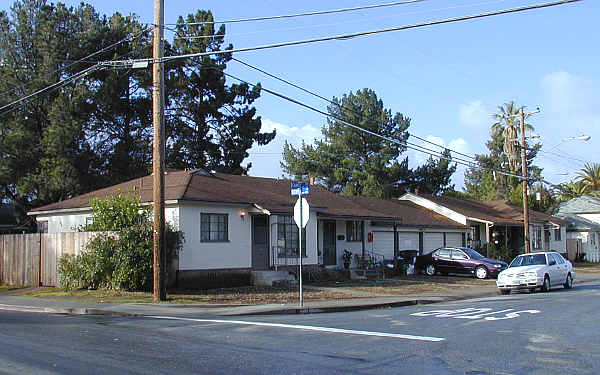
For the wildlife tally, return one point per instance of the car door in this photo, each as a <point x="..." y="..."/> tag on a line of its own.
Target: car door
<point x="554" y="270"/>
<point x="441" y="260"/>
<point x="562" y="268"/>
<point x="460" y="262"/>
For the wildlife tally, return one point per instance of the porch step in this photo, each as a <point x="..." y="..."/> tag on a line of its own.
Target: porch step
<point x="269" y="278"/>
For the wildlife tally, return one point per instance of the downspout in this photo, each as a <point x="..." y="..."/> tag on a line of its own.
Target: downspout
<point x="487" y="239"/>
<point x="362" y="229"/>
<point x="396" y="250"/>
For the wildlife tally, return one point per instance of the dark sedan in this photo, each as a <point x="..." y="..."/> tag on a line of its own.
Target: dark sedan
<point x="459" y="260"/>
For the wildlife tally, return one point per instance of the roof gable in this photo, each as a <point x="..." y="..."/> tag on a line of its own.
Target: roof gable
<point x="580" y="205"/>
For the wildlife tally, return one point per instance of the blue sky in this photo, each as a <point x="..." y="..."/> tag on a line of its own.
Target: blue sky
<point x="448" y="78"/>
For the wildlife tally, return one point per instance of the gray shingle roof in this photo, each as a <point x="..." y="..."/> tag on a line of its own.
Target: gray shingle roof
<point x="580" y="205"/>
<point x="271" y="194"/>
<point x="578" y="223"/>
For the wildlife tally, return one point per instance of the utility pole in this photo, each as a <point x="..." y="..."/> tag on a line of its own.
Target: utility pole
<point x="524" y="174"/>
<point x="158" y="154"/>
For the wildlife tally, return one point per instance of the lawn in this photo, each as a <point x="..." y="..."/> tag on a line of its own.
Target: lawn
<point x="7" y="288"/>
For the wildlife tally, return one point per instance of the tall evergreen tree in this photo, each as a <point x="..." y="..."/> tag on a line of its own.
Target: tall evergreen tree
<point x="210" y="124"/>
<point x="349" y="160"/>
<point x="98" y="131"/>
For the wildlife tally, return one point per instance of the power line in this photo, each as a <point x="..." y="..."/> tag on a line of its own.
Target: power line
<point x="404" y="143"/>
<point x="362" y="20"/>
<point x="56" y="85"/>
<point x="340" y="106"/>
<point x="301" y="14"/>
<point x="354" y="35"/>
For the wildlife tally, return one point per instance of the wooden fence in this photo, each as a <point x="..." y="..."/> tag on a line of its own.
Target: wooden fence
<point x="32" y="259"/>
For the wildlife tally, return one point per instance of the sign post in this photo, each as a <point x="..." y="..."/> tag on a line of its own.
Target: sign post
<point x="301" y="215"/>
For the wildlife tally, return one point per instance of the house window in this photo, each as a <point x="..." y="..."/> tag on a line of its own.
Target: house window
<point x="89" y="221"/>
<point x="42" y="226"/>
<point x="354" y="231"/>
<point x="538" y="238"/>
<point x="287" y="237"/>
<point x="557" y="235"/>
<point x="213" y="228"/>
<point x="593" y="238"/>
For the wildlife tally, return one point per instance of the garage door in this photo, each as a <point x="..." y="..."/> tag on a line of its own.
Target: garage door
<point x="383" y="242"/>
<point x="432" y="241"/>
<point x="408" y="241"/>
<point x="454" y="239"/>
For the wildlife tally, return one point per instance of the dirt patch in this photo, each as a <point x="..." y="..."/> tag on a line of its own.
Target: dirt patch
<point x="232" y="296"/>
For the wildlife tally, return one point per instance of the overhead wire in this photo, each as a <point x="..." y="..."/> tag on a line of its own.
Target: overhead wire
<point x="409" y="145"/>
<point x="361" y="20"/>
<point x="83" y="59"/>
<point x="337" y="104"/>
<point x="367" y="33"/>
<point x="315" y="13"/>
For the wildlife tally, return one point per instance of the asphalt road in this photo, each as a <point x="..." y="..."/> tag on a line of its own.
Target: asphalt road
<point x="541" y="333"/>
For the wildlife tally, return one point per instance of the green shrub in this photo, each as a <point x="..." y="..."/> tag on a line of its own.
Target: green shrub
<point x="122" y="259"/>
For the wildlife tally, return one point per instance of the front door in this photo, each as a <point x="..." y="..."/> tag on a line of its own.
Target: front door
<point x="329" y="250"/>
<point x="260" y="242"/>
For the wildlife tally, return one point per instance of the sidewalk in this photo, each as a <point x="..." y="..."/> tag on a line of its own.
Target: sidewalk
<point x="368" y="301"/>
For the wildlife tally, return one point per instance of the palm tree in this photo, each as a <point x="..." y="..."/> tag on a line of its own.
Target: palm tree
<point x="570" y="190"/>
<point x="507" y="121"/>
<point x="590" y="177"/>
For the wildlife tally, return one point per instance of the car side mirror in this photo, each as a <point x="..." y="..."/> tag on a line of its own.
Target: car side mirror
<point x="552" y="262"/>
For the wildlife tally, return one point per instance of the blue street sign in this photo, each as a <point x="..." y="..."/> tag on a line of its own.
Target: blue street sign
<point x="300" y="188"/>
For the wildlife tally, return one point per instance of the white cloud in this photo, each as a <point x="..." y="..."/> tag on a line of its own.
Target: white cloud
<point x="266" y="159"/>
<point x="417" y="158"/>
<point x="474" y="115"/>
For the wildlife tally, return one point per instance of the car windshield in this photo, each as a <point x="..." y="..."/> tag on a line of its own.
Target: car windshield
<point x="473" y="254"/>
<point x="529" y="260"/>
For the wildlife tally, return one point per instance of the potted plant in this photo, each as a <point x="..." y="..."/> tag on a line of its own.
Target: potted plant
<point x="347" y="257"/>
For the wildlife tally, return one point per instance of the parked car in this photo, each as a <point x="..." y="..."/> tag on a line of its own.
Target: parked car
<point x="459" y="260"/>
<point x="404" y="257"/>
<point x="542" y="270"/>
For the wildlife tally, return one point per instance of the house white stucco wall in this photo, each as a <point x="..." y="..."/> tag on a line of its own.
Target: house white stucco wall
<point x="236" y="252"/>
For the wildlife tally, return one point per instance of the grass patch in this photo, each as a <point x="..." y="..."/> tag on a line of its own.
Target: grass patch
<point x="586" y="267"/>
<point x="8" y="288"/>
<point x="251" y="295"/>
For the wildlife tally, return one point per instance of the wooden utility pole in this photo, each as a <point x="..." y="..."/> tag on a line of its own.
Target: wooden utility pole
<point x="158" y="154"/>
<point x="524" y="174"/>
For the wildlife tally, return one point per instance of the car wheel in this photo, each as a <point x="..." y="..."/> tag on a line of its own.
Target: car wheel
<point x="546" y="286"/>
<point x="430" y="270"/>
<point x="504" y="291"/>
<point x="481" y="272"/>
<point x="569" y="282"/>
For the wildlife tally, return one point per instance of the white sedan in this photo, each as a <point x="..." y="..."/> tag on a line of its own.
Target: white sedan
<point x="542" y="270"/>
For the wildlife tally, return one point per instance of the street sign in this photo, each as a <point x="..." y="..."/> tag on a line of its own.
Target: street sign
<point x="301" y="218"/>
<point x="300" y="188"/>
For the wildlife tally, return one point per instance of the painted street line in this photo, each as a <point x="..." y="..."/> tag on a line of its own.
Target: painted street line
<point x="476" y="313"/>
<point x="21" y="308"/>
<point x="306" y="328"/>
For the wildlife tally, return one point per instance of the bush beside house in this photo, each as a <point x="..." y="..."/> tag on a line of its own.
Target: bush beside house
<point x="121" y="257"/>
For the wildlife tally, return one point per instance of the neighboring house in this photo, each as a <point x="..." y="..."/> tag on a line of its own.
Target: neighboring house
<point x="498" y="222"/>
<point x="583" y="231"/>
<point x="241" y="223"/>
<point x="8" y="220"/>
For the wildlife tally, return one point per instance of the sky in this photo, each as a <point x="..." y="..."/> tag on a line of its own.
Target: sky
<point x="447" y="78"/>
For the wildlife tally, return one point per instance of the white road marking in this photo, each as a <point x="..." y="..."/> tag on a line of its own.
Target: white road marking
<point x="306" y="328"/>
<point x="476" y="313"/>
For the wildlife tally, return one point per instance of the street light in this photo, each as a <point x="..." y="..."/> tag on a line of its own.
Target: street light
<point x="582" y="137"/>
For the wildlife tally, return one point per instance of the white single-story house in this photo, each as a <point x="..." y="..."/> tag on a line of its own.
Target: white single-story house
<point x="242" y="223"/>
<point x="498" y="222"/>
<point x="583" y="231"/>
